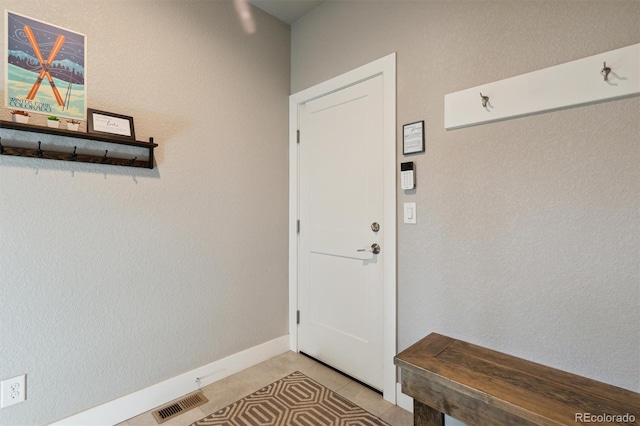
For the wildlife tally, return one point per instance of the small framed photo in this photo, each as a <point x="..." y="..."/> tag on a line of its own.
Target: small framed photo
<point x="108" y="123"/>
<point x="413" y="137"/>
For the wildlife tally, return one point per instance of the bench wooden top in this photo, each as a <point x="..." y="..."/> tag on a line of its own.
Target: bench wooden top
<point x="480" y="386"/>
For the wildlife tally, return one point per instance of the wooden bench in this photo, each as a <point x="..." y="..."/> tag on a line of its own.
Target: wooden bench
<point x="480" y="386"/>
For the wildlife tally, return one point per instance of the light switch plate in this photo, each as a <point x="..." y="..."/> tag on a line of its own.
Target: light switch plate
<point x="410" y="213"/>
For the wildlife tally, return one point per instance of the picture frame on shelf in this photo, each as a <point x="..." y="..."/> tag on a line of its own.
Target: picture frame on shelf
<point x="109" y="123"/>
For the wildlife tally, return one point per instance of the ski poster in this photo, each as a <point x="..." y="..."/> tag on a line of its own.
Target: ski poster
<point x="45" y="70"/>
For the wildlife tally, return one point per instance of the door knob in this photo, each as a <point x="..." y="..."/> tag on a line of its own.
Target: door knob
<point x="375" y="248"/>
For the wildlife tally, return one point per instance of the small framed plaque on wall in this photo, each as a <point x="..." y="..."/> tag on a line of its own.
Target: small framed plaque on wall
<point x="413" y="138"/>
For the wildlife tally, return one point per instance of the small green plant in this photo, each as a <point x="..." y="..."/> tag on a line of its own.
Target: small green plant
<point x="53" y="118"/>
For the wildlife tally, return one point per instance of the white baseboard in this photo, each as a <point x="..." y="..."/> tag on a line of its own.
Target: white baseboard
<point x="126" y="407"/>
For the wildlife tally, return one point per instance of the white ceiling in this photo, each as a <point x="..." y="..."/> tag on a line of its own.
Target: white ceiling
<point x="288" y="11"/>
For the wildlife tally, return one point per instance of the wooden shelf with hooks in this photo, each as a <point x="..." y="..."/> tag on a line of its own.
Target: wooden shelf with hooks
<point x="73" y="156"/>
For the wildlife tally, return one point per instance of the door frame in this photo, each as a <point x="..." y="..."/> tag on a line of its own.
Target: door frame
<point x="386" y="67"/>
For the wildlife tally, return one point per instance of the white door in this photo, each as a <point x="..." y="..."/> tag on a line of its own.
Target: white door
<point x="341" y="199"/>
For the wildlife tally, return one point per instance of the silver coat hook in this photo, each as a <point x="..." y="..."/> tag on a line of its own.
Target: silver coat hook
<point x="605" y="71"/>
<point x="485" y="100"/>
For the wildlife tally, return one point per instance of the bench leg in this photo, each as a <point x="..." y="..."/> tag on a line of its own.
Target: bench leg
<point x="423" y="415"/>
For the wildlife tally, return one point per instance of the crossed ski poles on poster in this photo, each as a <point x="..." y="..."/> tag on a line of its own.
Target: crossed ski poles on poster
<point x="44" y="65"/>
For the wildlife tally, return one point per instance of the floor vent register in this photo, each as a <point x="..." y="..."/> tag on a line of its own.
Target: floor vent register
<point x="176" y="408"/>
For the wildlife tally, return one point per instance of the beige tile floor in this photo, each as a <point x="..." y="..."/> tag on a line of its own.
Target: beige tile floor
<point x="239" y="385"/>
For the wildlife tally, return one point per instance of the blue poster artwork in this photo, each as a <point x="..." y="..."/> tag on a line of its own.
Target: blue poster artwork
<point x="45" y="68"/>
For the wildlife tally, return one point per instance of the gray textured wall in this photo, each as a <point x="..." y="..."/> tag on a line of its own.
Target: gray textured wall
<point x="113" y="279"/>
<point x="528" y="234"/>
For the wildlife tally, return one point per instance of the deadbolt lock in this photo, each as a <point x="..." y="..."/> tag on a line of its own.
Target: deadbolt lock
<point x="375" y="226"/>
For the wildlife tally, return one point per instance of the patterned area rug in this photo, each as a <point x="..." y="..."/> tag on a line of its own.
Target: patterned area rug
<point x="295" y="400"/>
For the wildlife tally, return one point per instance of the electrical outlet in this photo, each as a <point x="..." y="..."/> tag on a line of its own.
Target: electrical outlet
<point x="13" y="391"/>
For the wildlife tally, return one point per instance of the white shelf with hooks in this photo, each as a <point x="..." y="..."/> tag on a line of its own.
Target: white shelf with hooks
<point x="579" y="82"/>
